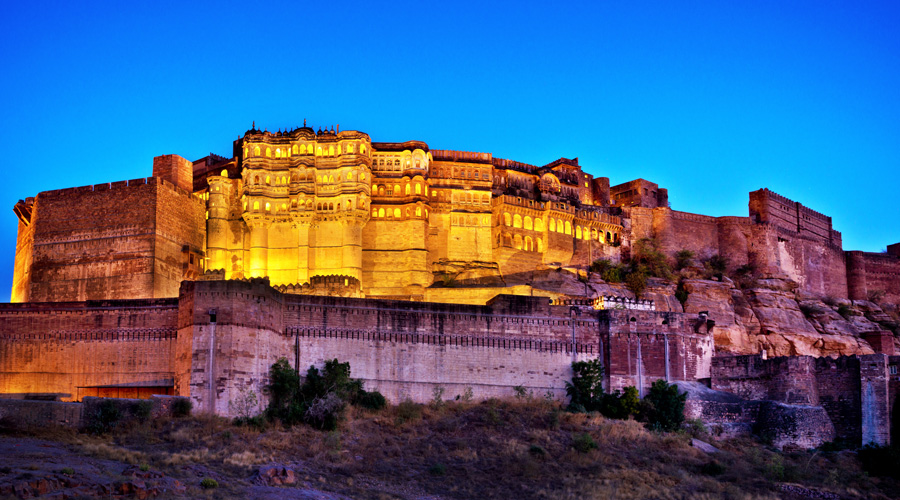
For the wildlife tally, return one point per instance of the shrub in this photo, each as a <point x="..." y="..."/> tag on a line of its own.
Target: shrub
<point x="586" y="389"/>
<point x="636" y="282"/>
<point x="683" y="258"/>
<point x="716" y="266"/>
<point x="106" y="417"/>
<point x="145" y="467"/>
<point x="584" y="443"/>
<point x="664" y="406"/>
<point x="681" y="293"/>
<point x="182" y="407"/>
<point x="712" y="468"/>
<point x="143" y="409"/>
<point x="845" y="311"/>
<point x="68" y="471"/>
<point x="537" y="451"/>
<point x="371" y="400"/>
<point x="437" y="469"/>
<point x="648" y="259"/>
<point x="408" y="411"/>
<point x="209" y="483"/>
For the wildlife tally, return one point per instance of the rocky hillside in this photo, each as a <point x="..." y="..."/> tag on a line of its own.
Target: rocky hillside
<point x="768" y="314"/>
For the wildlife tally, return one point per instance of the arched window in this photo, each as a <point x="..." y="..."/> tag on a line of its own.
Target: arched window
<point x="331" y="150"/>
<point x="406" y="191"/>
<point x="246" y="151"/>
<point x="225" y="173"/>
<point x="319" y="151"/>
<point x="362" y="148"/>
<point x="407" y="211"/>
<point x="552" y="224"/>
<point x="362" y="176"/>
<point x="349" y="176"/>
<point x="559" y="226"/>
<point x="578" y="232"/>
<point x="608" y="237"/>
<point x="330" y="178"/>
<point x="349" y="205"/>
<point x="350" y="148"/>
<point x="374" y="213"/>
<point x="529" y="244"/>
<point x="309" y="149"/>
<point x="517" y="242"/>
<point x="381" y="212"/>
<point x="380" y="190"/>
<point x="268" y="206"/>
<point x="568" y="227"/>
<point x="538" y="224"/>
<point x="418" y="188"/>
<point x="540" y="245"/>
<point x="284" y="206"/>
<point x="397" y="213"/>
<point x="268" y="181"/>
<point x="507" y="219"/>
<point x="331" y="207"/>
<point x="295" y="149"/>
<point x="517" y="221"/>
<point x="594" y="234"/>
<point x="586" y="234"/>
<point x="255" y="205"/>
<point x="277" y="152"/>
<point x="527" y="223"/>
<point x="256" y="151"/>
<point x="269" y="152"/>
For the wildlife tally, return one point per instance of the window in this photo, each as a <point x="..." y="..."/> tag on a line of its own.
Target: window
<point x="397" y="213"/>
<point x="539" y="225"/>
<point x="225" y="173"/>
<point x="255" y="205"/>
<point x="269" y="152"/>
<point x="381" y="212"/>
<point x="517" y="221"/>
<point x="527" y="223"/>
<point x="268" y="206"/>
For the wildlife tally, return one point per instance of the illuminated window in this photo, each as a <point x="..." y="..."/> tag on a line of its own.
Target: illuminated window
<point x="517" y="221"/>
<point x="586" y="234"/>
<point x="256" y="151"/>
<point x="552" y="224"/>
<point x="268" y="182"/>
<point x="529" y="244"/>
<point x="374" y="213"/>
<point x="380" y="212"/>
<point x="277" y="152"/>
<point x="255" y="205"/>
<point x="319" y="151"/>
<point x="362" y="176"/>
<point x="330" y="178"/>
<point x="578" y="232"/>
<point x="294" y="148"/>
<point x="527" y="223"/>
<point x="380" y="190"/>
<point x="418" y="211"/>
<point x="349" y="176"/>
<point x="539" y="224"/>
<point x="593" y="234"/>
<point x="246" y="151"/>
<point x="407" y="189"/>
<point x="225" y="173"/>
<point x="309" y="149"/>
<point x="517" y="242"/>
<point x="269" y="152"/>
<point x="407" y="211"/>
<point x="397" y="212"/>
<point x="349" y="148"/>
<point x="268" y="206"/>
<point x="559" y="226"/>
<point x="331" y="150"/>
<point x="426" y="213"/>
<point x="540" y="245"/>
<point x="284" y="206"/>
<point x="426" y="190"/>
<point x="362" y="148"/>
<point x="507" y="219"/>
<point x="319" y="178"/>
<point x="348" y="205"/>
<point x="418" y="188"/>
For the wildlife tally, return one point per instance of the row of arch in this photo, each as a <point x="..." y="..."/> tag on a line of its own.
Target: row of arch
<point x="396" y="213"/>
<point x="284" y="180"/>
<point x="558" y="226"/>
<point x="296" y="149"/>
<point x="308" y="205"/>
<point x="409" y="189"/>
<point x="518" y="242"/>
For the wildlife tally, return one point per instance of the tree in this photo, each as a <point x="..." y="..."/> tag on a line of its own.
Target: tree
<point x="586" y="389"/>
<point x="664" y="406"/>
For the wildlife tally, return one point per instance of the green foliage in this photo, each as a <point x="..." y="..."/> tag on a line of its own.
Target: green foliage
<point x="845" y="311"/>
<point x="322" y="397"/>
<point x="716" y="266"/>
<point x="713" y="468"/>
<point x="609" y="272"/>
<point x="681" y="293"/>
<point x="522" y="393"/>
<point x="631" y="401"/>
<point x="585" y="390"/>
<point x="145" y="467"/>
<point x="68" y="471"/>
<point x="683" y="258"/>
<point x="209" y="483"/>
<point x="584" y="443"/>
<point x="408" y="411"/>
<point x="106" y="418"/>
<point x="537" y="451"/>
<point x="182" y="407"/>
<point x="647" y="258"/>
<point x="636" y="282"/>
<point x="437" y="469"/>
<point x="143" y="409"/>
<point x="664" y="407"/>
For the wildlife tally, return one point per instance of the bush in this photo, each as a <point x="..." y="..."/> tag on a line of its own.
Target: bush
<point x="648" y="259"/>
<point x="142" y="410"/>
<point x="586" y="389"/>
<point x="106" y="418"/>
<point x="537" y="451"/>
<point x="664" y="407"/>
<point x="68" y="471"/>
<point x="716" y="266"/>
<point x="182" y="407"/>
<point x="371" y="400"/>
<point x="408" y="411"/>
<point x="681" y="293"/>
<point x="209" y="483"/>
<point x="683" y="258"/>
<point x="636" y="282"/>
<point x="584" y="443"/>
<point x="437" y="469"/>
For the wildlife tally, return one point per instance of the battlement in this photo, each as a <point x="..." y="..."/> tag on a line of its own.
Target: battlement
<point x="771" y="208"/>
<point x="460" y="156"/>
<point x="514" y="165"/>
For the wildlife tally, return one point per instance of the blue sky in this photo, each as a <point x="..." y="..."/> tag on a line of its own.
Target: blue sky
<point x="709" y="99"/>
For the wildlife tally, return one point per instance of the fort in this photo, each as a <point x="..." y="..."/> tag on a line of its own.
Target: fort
<point x="435" y="269"/>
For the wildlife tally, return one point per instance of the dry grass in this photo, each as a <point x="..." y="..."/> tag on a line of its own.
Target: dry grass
<point x="496" y="449"/>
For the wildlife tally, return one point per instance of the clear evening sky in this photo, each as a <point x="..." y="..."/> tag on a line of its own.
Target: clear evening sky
<point x="708" y="99"/>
